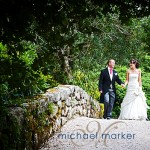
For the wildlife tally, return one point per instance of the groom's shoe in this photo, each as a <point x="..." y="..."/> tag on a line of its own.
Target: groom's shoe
<point x="104" y="117"/>
<point x="108" y="118"/>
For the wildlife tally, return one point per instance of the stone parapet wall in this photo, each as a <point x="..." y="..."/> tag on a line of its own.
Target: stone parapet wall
<point x="70" y="100"/>
<point x="51" y="110"/>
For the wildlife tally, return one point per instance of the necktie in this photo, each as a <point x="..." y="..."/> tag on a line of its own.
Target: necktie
<point x="110" y="70"/>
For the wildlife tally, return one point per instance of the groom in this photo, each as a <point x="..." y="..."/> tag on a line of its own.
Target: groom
<point x="107" y="88"/>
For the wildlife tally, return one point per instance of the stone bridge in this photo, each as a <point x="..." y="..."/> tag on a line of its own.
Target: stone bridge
<point x="66" y="117"/>
<point x="47" y="113"/>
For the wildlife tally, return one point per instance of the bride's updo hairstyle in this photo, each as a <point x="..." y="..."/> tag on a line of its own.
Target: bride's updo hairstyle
<point x="134" y="61"/>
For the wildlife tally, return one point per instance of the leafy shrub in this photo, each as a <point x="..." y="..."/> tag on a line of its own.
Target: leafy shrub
<point x="88" y="81"/>
<point x="24" y="77"/>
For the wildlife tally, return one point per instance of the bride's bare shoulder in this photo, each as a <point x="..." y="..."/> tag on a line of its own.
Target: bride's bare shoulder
<point x="139" y="71"/>
<point x="128" y="71"/>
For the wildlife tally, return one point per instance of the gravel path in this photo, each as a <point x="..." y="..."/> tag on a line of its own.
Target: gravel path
<point x="82" y="133"/>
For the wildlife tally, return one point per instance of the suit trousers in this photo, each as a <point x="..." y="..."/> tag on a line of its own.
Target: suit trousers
<point x="109" y="99"/>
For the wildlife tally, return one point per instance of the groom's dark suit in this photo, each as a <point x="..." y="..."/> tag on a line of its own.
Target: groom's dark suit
<point x="107" y="86"/>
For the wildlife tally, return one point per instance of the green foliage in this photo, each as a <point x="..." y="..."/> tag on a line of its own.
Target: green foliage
<point x="88" y="81"/>
<point x="120" y="93"/>
<point x="11" y="133"/>
<point x="50" y="108"/>
<point x="21" y="79"/>
<point x="145" y="63"/>
<point x="35" y="65"/>
<point x="38" y="124"/>
<point x="29" y="54"/>
<point x="146" y="88"/>
<point x="145" y="85"/>
<point x="108" y="38"/>
<point x="3" y="51"/>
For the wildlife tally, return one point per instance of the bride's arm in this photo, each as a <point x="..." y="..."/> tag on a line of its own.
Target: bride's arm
<point x="139" y="79"/>
<point x="127" y="78"/>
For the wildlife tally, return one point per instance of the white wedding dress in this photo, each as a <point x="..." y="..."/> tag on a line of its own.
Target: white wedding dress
<point x="134" y="104"/>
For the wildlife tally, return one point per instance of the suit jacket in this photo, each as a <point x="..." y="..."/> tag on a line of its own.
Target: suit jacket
<point x="105" y="83"/>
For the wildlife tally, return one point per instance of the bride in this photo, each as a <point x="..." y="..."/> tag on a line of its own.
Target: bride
<point x="134" y="104"/>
